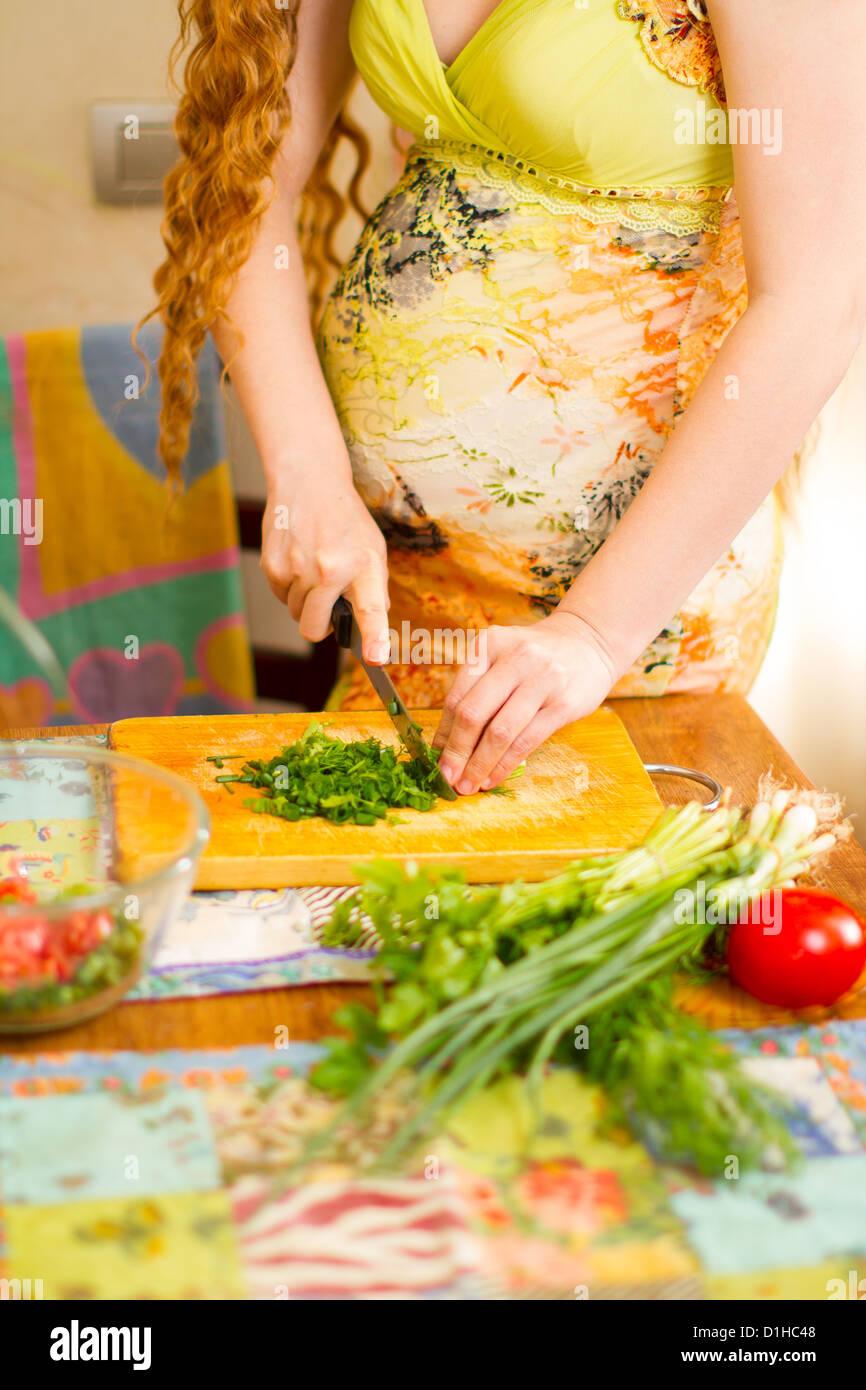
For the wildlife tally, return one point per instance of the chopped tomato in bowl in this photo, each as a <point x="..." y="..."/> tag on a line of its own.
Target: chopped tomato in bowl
<point x="56" y="962"/>
<point x="69" y="950"/>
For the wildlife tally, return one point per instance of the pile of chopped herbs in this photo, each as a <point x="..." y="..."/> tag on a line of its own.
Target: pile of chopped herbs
<point x="356" y="782"/>
<point x="475" y="983"/>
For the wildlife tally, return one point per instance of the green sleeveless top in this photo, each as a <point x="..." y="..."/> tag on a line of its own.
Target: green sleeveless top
<point x="608" y="94"/>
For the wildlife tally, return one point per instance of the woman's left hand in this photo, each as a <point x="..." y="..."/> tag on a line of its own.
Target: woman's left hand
<point x="530" y="681"/>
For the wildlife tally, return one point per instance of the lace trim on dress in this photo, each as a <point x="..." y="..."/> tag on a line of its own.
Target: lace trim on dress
<point x="678" y="39"/>
<point x="679" y="210"/>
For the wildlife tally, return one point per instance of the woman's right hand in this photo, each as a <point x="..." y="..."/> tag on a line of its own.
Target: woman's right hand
<point x="319" y="545"/>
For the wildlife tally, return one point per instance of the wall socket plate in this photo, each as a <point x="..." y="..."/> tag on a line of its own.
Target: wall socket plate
<point x="132" y="149"/>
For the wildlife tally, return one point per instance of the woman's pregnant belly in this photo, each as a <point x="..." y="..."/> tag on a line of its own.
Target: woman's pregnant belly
<point x="506" y="376"/>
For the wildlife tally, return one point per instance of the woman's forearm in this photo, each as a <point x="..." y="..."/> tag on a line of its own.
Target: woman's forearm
<point x="276" y="373"/>
<point x="768" y="382"/>
<point x="318" y="539"/>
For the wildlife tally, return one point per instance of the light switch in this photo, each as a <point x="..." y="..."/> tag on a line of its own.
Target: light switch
<point x="133" y="148"/>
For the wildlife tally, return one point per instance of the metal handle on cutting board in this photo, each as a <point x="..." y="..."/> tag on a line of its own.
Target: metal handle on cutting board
<point x="690" y="773"/>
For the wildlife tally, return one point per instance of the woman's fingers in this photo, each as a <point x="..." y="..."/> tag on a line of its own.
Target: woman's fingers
<point x="545" y="723"/>
<point x="532" y="682"/>
<point x="334" y="548"/>
<point x="315" y="620"/>
<point x="473" y="707"/>
<point x="368" y="595"/>
<point x="278" y="587"/>
<point x="366" y="590"/>
<point x="505" y="737"/>
<point x="294" y="599"/>
<point x="467" y="676"/>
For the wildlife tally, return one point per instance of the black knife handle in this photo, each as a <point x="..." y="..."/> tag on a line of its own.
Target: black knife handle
<point x="342" y="618"/>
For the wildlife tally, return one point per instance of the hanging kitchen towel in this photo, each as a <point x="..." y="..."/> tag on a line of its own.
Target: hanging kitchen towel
<point x="141" y="603"/>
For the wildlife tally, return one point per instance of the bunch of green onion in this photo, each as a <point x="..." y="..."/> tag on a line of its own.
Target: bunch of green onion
<point x="620" y="925"/>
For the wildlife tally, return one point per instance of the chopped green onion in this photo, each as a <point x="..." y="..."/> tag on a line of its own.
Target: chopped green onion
<point x="357" y="782"/>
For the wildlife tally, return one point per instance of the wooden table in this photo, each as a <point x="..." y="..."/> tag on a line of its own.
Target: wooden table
<point x="719" y="734"/>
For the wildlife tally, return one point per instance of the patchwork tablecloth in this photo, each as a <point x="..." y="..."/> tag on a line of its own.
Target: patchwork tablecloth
<point x="162" y="1175"/>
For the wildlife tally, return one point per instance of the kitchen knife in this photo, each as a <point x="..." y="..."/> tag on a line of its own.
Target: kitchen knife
<point x="348" y="635"/>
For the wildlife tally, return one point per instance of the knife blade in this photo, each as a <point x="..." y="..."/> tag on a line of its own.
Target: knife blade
<point x="348" y="635"/>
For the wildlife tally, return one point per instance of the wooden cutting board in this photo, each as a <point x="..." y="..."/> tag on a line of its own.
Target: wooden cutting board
<point x="585" y="790"/>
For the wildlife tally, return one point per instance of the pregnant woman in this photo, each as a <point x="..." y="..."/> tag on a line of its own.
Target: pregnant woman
<point x="574" y="350"/>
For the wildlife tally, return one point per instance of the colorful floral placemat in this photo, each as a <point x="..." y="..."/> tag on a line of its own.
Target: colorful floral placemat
<point x="160" y="1175"/>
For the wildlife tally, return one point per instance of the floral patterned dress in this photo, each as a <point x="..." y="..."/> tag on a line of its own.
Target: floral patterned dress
<point x="509" y="349"/>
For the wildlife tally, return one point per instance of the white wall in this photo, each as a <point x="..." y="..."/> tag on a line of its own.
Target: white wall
<point x="812" y="688"/>
<point x="65" y="259"/>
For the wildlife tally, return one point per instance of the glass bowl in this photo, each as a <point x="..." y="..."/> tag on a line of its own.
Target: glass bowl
<point x="98" y="852"/>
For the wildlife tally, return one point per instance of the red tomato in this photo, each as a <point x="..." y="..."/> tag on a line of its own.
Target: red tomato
<point x="76" y="932"/>
<point x="797" y="947"/>
<point x="103" y="924"/>
<point x="24" y="936"/>
<point x="80" y="932"/>
<point x="58" y="965"/>
<point x="16" y="890"/>
<point x="24" y="946"/>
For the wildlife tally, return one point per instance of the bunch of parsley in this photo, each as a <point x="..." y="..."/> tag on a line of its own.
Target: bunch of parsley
<point x="472" y="983"/>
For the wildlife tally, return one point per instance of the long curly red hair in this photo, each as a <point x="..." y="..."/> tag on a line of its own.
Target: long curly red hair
<point x="232" y="114"/>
